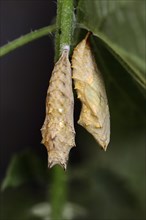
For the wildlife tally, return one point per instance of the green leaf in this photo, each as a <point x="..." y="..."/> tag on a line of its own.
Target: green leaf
<point x="125" y="97"/>
<point x="121" y="26"/>
<point x="24" y="167"/>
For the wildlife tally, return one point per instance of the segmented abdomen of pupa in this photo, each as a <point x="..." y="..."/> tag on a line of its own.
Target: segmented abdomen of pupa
<point x="94" y="116"/>
<point x="58" y="129"/>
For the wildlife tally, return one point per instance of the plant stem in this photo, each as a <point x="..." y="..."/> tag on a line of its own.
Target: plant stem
<point x="64" y="25"/>
<point x="26" y="39"/>
<point x="58" y="30"/>
<point x="58" y="193"/>
<point x="63" y="37"/>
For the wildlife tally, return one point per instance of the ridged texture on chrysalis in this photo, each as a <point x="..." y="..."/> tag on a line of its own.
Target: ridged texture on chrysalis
<point x="58" y="129"/>
<point x="94" y="116"/>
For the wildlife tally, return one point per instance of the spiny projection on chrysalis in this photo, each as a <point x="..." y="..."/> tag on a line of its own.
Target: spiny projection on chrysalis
<point x="94" y="116"/>
<point x="58" y="133"/>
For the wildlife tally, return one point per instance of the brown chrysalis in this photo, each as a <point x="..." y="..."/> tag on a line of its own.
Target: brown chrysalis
<point x="58" y="129"/>
<point x="90" y="88"/>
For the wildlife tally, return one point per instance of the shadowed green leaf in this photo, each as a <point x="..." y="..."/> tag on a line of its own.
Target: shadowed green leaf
<point x="121" y="26"/>
<point x="24" y="167"/>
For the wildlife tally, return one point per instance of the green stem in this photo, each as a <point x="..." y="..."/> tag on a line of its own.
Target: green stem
<point x="26" y="39"/>
<point x="58" y="30"/>
<point x="64" y="23"/>
<point x="58" y="193"/>
<point x="63" y="37"/>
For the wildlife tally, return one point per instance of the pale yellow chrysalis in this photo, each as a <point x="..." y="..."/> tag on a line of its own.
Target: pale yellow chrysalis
<point x="94" y="116"/>
<point x="58" y="129"/>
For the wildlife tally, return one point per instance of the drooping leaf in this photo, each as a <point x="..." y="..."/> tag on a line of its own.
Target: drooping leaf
<point x="125" y="97"/>
<point x="121" y="26"/>
<point x="58" y="129"/>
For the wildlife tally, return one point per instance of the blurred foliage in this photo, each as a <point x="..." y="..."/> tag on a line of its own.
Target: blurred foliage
<point x="105" y="186"/>
<point x="24" y="167"/>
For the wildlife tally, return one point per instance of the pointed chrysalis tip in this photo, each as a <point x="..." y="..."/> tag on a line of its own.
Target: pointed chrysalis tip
<point x="57" y="159"/>
<point x="104" y="147"/>
<point x="51" y="164"/>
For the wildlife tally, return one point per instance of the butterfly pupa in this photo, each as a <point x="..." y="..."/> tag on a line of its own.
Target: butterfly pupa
<point x="94" y="116"/>
<point x="58" y="133"/>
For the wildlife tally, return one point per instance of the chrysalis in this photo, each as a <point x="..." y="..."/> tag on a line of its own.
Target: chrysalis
<point x="90" y="88"/>
<point x="58" y="129"/>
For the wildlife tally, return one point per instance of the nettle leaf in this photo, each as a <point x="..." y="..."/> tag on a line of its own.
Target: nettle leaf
<point x="121" y="26"/>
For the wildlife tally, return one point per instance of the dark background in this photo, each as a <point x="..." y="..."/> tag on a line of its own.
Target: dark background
<point x="108" y="185"/>
<point x="24" y="76"/>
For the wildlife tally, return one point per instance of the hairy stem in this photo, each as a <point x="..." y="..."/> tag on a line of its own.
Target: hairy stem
<point x="58" y="30"/>
<point x="64" y="25"/>
<point x="26" y="39"/>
